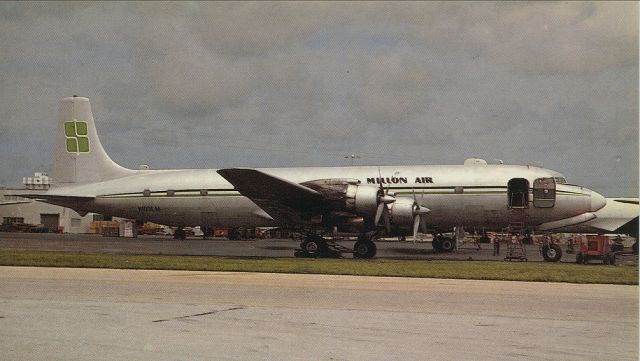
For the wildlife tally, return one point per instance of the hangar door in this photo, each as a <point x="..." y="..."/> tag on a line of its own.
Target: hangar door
<point x="51" y="221"/>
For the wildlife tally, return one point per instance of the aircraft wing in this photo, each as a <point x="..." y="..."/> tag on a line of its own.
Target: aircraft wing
<point x="8" y="203"/>
<point x="285" y="201"/>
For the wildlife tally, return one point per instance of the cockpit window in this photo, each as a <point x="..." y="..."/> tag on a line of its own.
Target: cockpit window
<point x="560" y="180"/>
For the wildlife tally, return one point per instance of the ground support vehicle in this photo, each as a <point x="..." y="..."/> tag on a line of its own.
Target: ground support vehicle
<point x="595" y="247"/>
<point x="515" y="249"/>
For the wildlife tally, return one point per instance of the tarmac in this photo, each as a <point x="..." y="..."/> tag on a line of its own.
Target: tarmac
<point x="390" y="249"/>
<point x="100" y="314"/>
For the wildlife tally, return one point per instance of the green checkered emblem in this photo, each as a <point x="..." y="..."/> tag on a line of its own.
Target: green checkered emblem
<point x="77" y="138"/>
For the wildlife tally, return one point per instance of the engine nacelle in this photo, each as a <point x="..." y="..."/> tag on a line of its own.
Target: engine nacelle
<point x="348" y="195"/>
<point x="362" y="199"/>
<point x="402" y="213"/>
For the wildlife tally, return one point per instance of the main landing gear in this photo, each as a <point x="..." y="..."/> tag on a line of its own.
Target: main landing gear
<point x="316" y="246"/>
<point x="442" y="243"/>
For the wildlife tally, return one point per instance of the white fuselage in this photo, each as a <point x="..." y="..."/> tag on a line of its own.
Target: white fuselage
<point x="457" y="195"/>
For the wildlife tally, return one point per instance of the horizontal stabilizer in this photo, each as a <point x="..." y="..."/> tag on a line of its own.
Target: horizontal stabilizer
<point x="50" y="198"/>
<point x="78" y="203"/>
<point x="8" y="203"/>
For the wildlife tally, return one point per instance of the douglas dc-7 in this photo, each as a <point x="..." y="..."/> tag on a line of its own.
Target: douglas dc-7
<point x="373" y="200"/>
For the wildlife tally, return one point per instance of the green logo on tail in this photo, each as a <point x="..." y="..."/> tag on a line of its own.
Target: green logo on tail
<point x="77" y="138"/>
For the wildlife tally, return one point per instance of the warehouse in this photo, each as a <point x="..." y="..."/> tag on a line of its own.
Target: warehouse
<point x="18" y="210"/>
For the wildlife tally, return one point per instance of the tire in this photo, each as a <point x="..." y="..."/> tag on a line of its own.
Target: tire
<point x="364" y="249"/>
<point x="552" y="253"/>
<point x="233" y="235"/>
<point x="447" y="245"/>
<point x="612" y="259"/>
<point x="180" y="234"/>
<point x="314" y="248"/>
<point x="579" y="258"/>
<point x="437" y="244"/>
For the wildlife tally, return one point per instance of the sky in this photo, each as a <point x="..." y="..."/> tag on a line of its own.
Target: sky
<point x="269" y="84"/>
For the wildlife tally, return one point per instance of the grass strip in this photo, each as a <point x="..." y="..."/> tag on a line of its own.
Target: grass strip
<point x="480" y="270"/>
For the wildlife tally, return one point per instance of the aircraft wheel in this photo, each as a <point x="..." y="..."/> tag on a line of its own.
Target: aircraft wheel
<point x="233" y="235"/>
<point x="180" y="234"/>
<point x="551" y="253"/>
<point x="447" y="245"/>
<point x="364" y="249"/>
<point x="437" y="244"/>
<point x="579" y="258"/>
<point x="314" y="247"/>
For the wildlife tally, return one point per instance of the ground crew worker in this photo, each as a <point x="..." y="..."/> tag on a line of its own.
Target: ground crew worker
<point x="496" y="246"/>
<point x="570" y="244"/>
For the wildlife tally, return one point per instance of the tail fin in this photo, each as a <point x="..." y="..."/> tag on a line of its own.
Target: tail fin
<point x="79" y="156"/>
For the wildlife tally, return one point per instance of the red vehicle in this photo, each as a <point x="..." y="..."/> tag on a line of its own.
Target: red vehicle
<point x="595" y="247"/>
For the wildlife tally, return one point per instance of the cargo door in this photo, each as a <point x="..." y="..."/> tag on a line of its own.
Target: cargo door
<point x="518" y="193"/>
<point x="544" y="192"/>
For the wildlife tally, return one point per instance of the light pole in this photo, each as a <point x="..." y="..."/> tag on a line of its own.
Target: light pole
<point x="352" y="156"/>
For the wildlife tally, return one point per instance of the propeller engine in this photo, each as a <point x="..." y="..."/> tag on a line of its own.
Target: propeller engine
<point x="407" y="215"/>
<point x="349" y="195"/>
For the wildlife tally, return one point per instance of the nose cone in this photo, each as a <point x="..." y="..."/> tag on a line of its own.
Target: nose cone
<point x="597" y="201"/>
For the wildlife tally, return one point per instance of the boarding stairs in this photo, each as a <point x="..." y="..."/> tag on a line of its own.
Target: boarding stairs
<point x="517" y="226"/>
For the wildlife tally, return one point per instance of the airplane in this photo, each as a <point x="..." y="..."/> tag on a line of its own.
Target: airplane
<point x="619" y="216"/>
<point x="375" y="200"/>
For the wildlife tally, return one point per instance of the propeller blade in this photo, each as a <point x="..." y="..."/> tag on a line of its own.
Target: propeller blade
<point x="423" y="224"/>
<point x="380" y="181"/>
<point x="386" y="199"/>
<point x="379" y="211"/>
<point x="416" y="224"/>
<point x="387" y="220"/>
<point x="423" y="212"/>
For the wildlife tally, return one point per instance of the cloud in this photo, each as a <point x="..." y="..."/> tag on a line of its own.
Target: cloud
<point x="279" y="84"/>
